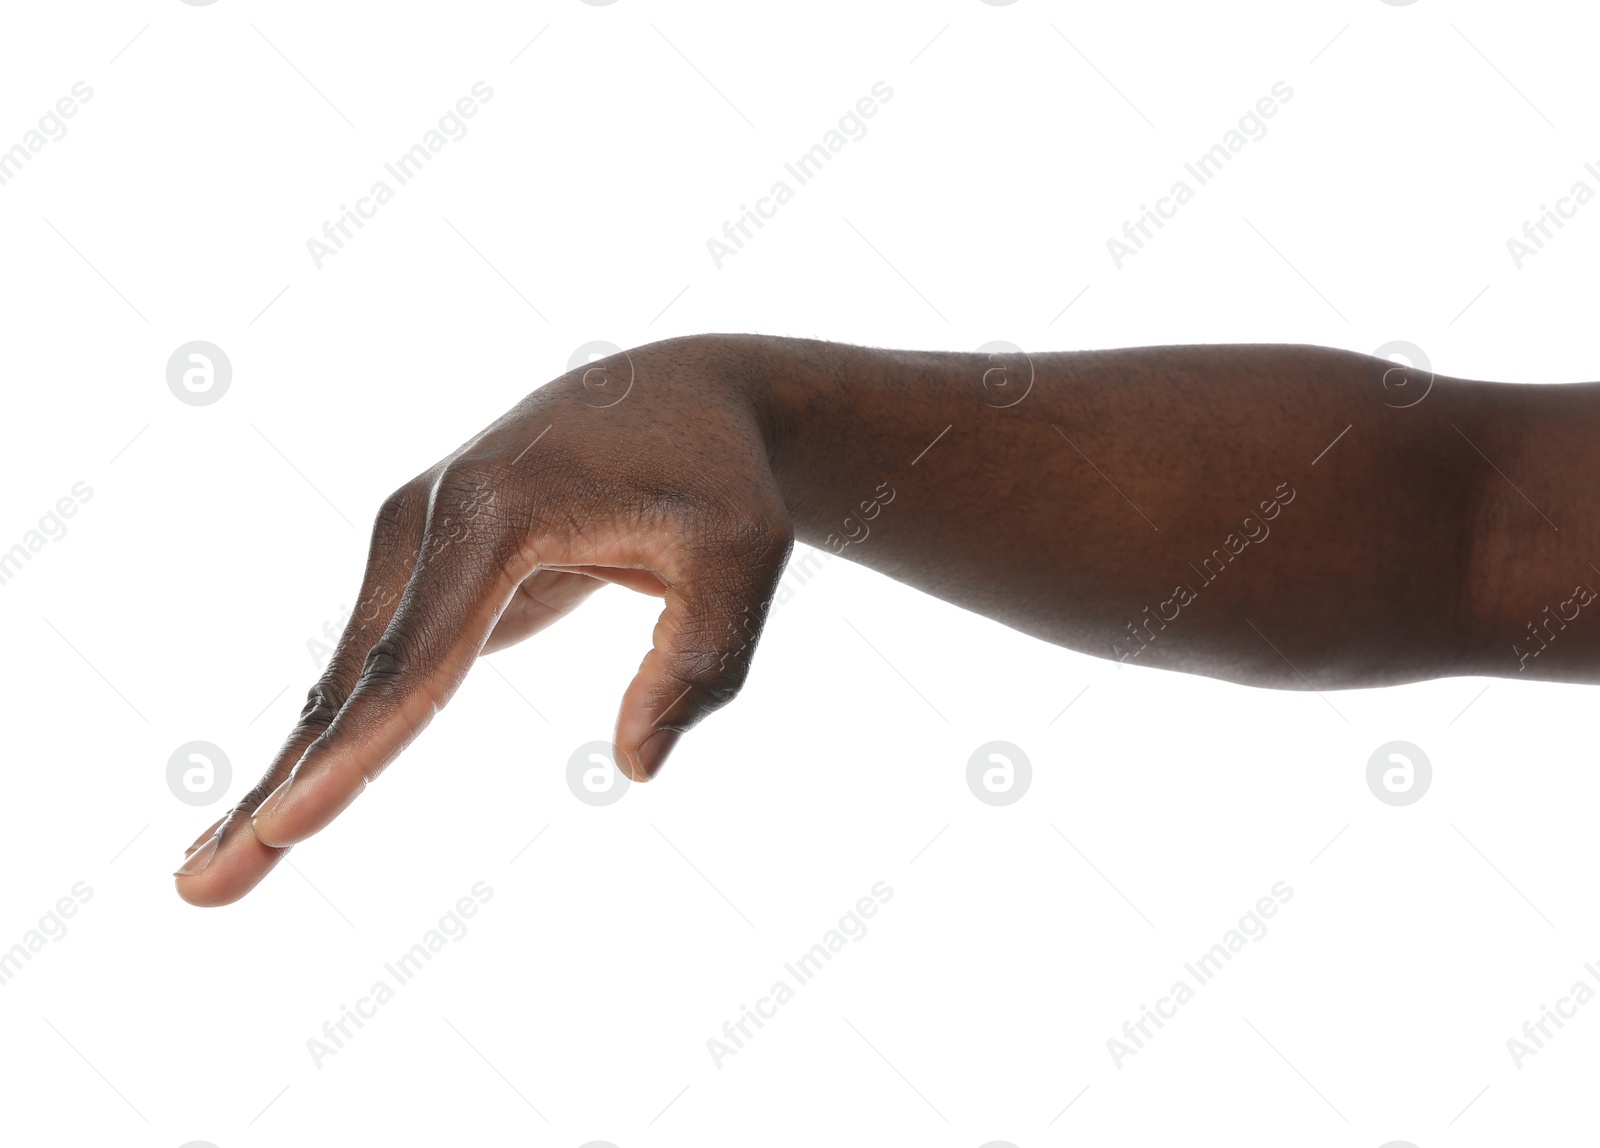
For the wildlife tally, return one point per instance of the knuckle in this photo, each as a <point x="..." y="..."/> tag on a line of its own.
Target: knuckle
<point x="777" y="539"/>
<point x="248" y="804"/>
<point x="727" y="679"/>
<point x="466" y="482"/>
<point x="689" y="509"/>
<point x="388" y="660"/>
<point x="462" y="472"/>
<point x="710" y="681"/>
<point x="323" y="703"/>
<point x="718" y="664"/>
<point x="395" y="513"/>
<point x="762" y="542"/>
<point x="464" y="499"/>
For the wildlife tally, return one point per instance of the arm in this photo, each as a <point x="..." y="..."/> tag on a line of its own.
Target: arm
<point x="1283" y="516"/>
<point x="1142" y="504"/>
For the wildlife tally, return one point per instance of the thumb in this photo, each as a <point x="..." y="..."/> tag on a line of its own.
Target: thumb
<point x="700" y="657"/>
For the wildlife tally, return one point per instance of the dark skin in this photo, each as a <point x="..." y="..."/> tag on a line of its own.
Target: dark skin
<point x="1282" y="516"/>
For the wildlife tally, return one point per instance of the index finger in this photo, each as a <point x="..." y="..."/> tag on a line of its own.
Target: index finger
<point x="464" y="577"/>
<point x="230" y="860"/>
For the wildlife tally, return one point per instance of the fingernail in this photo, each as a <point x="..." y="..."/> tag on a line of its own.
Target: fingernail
<point x="206" y="836"/>
<point x="655" y="749"/>
<point x="274" y="799"/>
<point x="200" y="858"/>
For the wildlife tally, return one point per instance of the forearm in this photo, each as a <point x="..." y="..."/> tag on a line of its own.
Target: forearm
<point x="1182" y="507"/>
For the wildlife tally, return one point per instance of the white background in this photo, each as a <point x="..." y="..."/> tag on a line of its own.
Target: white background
<point x="220" y="539"/>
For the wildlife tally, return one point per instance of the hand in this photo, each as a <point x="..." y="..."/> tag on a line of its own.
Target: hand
<point x="649" y="469"/>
